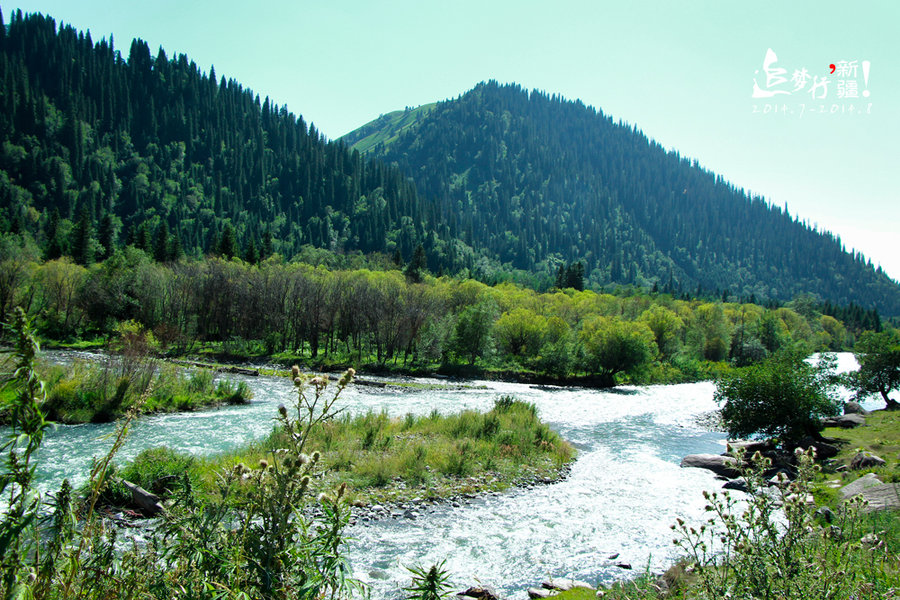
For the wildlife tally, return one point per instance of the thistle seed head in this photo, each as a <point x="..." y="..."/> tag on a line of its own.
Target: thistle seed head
<point x="347" y="377"/>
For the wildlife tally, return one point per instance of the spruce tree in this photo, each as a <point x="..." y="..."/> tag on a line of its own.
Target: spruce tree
<point x="161" y="244"/>
<point x="53" y="248"/>
<point x="250" y="253"/>
<point x="417" y="265"/>
<point x="227" y="245"/>
<point x="82" y="239"/>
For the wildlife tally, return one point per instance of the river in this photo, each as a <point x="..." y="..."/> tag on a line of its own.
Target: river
<point x="624" y="491"/>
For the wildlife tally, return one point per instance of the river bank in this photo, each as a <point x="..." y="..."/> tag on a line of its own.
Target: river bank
<point x="220" y="355"/>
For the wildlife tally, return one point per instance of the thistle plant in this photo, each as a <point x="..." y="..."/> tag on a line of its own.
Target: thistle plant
<point x="258" y="536"/>
<point x="770" y="544"/>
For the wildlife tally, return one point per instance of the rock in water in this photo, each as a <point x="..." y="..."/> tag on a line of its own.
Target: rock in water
<point x="726" y="466"/>
<point x="564" y="585"/>
<point x="147" y="502"/>
<point x="481" y="592"/>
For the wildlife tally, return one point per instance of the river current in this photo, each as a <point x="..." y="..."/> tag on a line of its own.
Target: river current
<point x="624" y="490"/>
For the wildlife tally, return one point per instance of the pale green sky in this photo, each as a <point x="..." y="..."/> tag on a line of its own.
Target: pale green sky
<point x="681" y="71"/>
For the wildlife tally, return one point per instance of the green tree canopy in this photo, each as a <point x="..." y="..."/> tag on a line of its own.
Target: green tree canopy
<point x="879" y="365"/>
<point x="617" y="346"/>
<point x="783" y="397"/>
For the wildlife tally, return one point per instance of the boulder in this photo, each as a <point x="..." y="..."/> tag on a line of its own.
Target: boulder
<point x="845" y="421"/>
<point x="481" y="592"/>
<point x="881" y="497"/>
<point x="564" y="585"/>
<point x="854" y="408"/>
<point x="826" y="514"/>
<point x="726" y="466"/>
<point x="856" y="487"/>
<point x="866" y="460"/>
<point x="536" y="593"/>
<point x="823" y="450"/>
<point x="739" y="484"/>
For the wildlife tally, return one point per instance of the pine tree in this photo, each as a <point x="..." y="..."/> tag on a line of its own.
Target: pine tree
<point x="106" y="235"/>
<point x="53" y="248"/>
<point x="227" y="245"/>
<point x="82" y="243"/>
<point x="250" y="253"/>
<point x="161" y="244"/>
<point x="417" y="265"/>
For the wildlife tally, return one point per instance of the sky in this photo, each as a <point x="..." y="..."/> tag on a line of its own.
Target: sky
<point x="682" y="72"/>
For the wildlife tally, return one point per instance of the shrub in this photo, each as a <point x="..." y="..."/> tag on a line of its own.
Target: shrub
<point x="771" y="545"/>
<point x="783" y="397"/>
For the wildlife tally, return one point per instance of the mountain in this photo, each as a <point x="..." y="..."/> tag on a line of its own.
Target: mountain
<point x="536" y="180"/>
<point x="97" y="151"/>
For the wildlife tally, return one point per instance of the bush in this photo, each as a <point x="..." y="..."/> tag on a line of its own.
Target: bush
<point x="771" y="544"/>
<point x="783" y="397"/>
<point x="157" y="469"/>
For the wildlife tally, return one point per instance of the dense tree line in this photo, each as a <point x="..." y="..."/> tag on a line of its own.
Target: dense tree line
<point x="99" y="151"/>
<point x="538" y="181"/>
<point x="387" y="317"/>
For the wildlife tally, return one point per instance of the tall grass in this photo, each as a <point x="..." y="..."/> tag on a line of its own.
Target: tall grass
<point x="251" y="540"/>
<point x="103" y="391"/>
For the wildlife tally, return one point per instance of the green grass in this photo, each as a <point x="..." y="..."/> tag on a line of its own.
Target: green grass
<point x="91" y="393"/>
<point x="880" y="436"/>
<point x="384" y="459"/>
<point x="386" y="128"/>
<point x="578" y="593"/>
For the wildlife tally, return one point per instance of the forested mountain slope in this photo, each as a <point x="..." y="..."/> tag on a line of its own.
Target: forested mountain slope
<point x="99" y="150"/>
<point x="533" y="178"/>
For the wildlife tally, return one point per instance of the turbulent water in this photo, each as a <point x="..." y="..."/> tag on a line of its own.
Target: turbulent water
<point x="625" y="489"/>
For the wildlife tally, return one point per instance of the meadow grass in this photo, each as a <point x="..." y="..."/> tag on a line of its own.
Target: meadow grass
<point x="96" y="392"/>
<point x="384" y="459"/>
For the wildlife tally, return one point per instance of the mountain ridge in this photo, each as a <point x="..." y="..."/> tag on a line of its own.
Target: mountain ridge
<point x="635" y="212"/>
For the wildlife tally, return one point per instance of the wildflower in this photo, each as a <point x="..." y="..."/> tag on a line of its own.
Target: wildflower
<point x="304" y="482"/>
<point x="298" y="381"/>
<point x="302" y="459"/>
<point x="240" y="468"/>
<point x="263" y="464"/>
<point x="347" y="377"/>
<point x="282" y="410"/>
<point x="295" y="372"/>
<point x="316" y="456"/>
<point x="342" y="489"/>
<point x="318" y="381"/>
